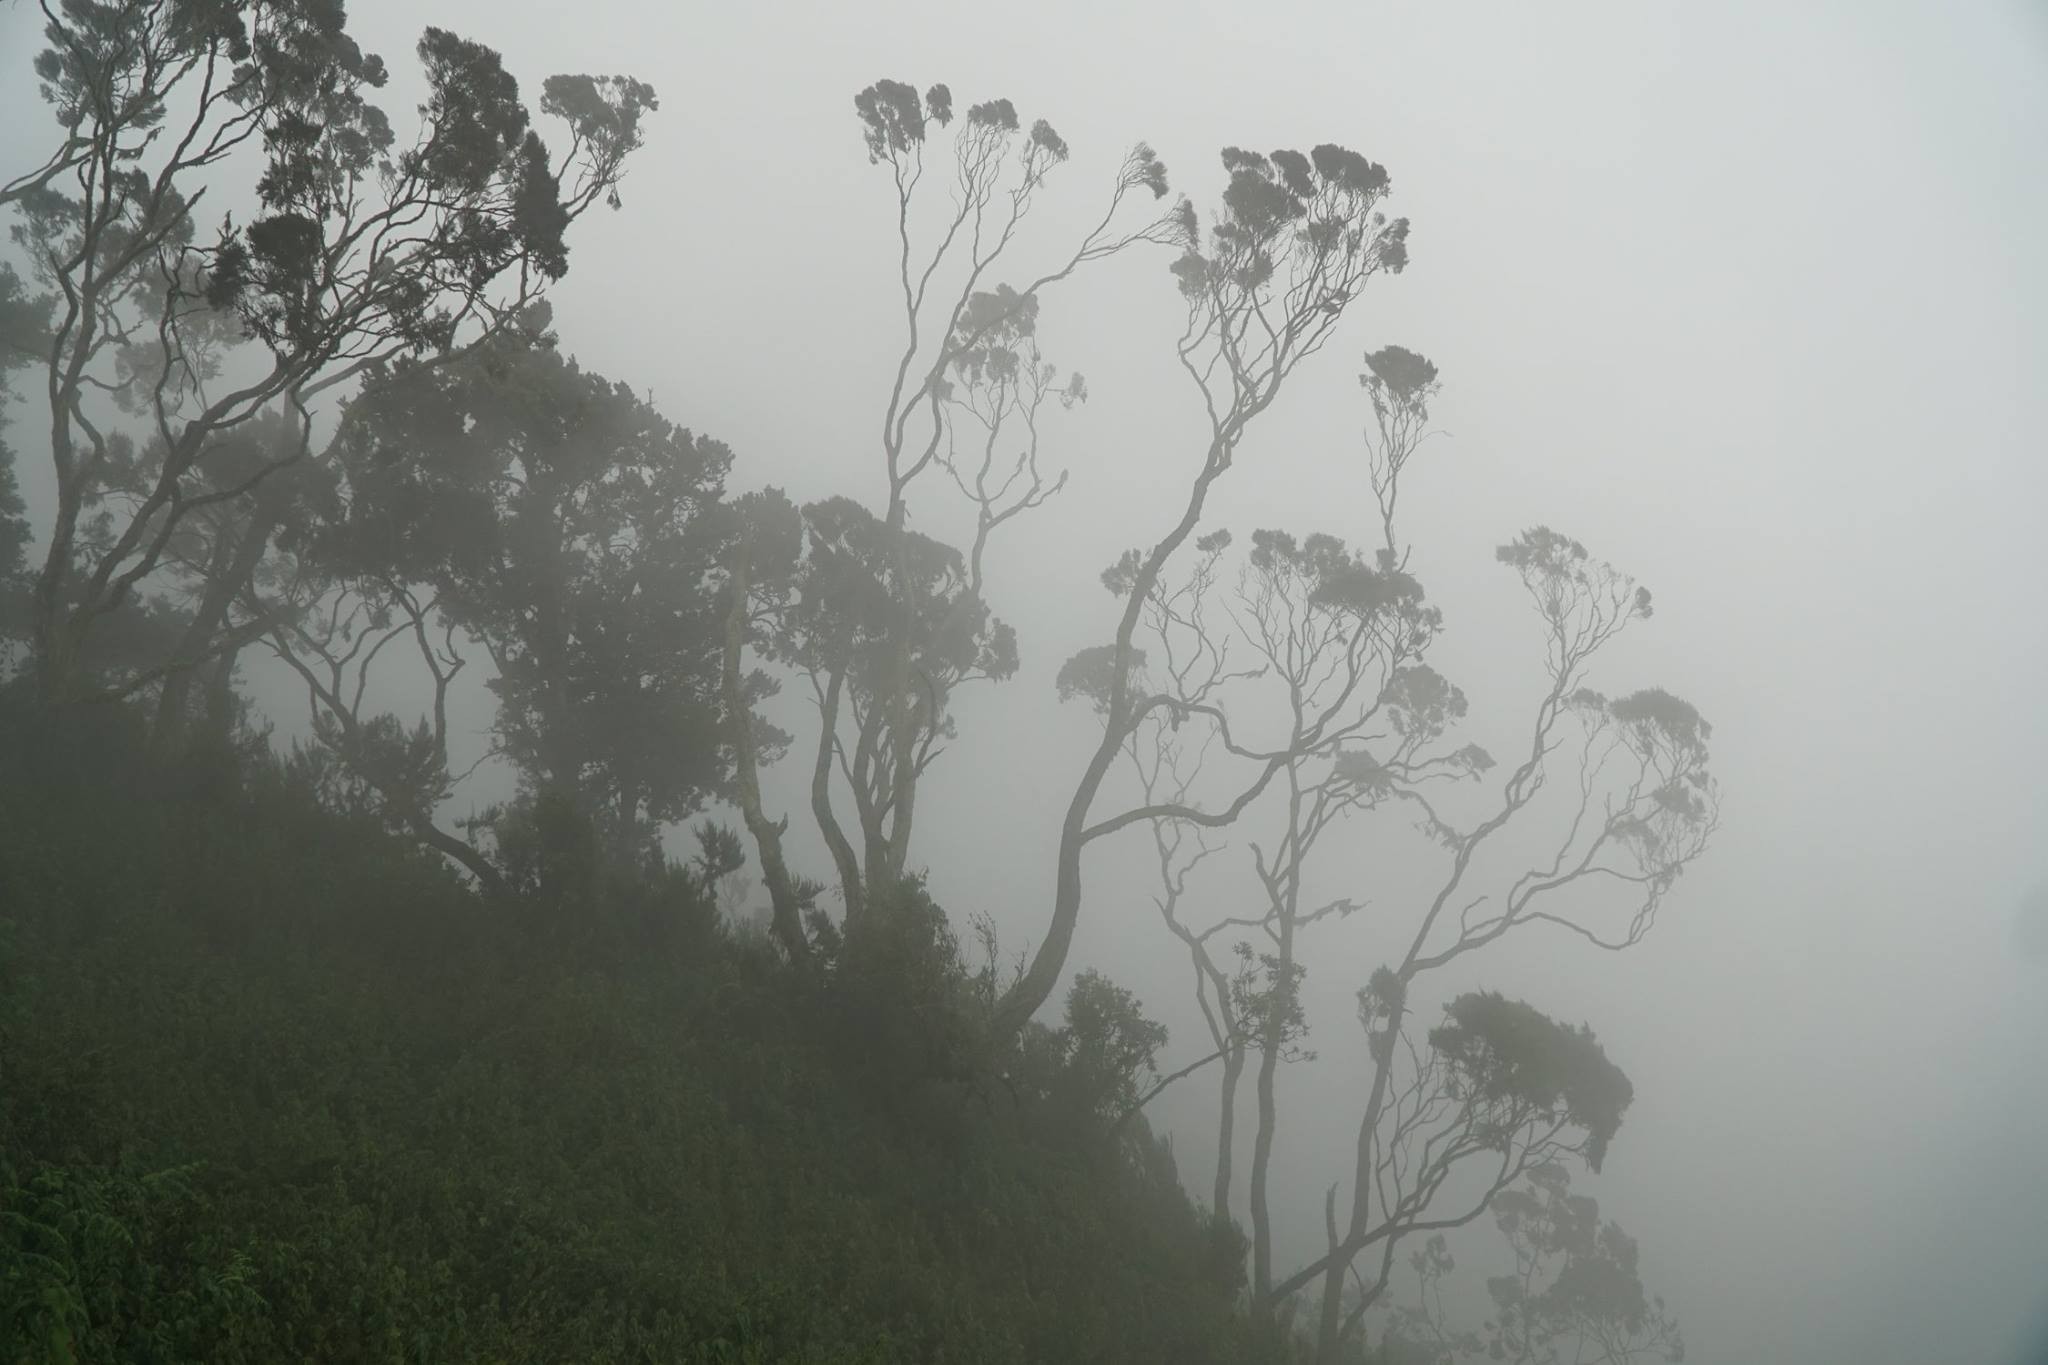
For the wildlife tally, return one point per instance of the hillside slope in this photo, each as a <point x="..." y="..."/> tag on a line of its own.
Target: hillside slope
<point x="274" y="1086"/>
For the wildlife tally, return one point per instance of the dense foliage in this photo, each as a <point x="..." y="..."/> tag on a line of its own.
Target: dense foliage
<point x="277" y="1086"/>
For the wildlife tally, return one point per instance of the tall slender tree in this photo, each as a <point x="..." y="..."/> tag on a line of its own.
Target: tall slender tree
<point x="883" y="620"/>
<point x="1296" y="241"/>
<point x="1636" y="806"/>
<point x="1315" y="682"/>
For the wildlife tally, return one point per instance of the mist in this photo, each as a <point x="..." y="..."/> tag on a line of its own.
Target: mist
<point x="1744" y="301"/>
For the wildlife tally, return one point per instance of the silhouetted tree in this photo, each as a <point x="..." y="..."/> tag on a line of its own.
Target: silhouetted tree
<point x="1499" y="1091"/>
<point x="1232" y="1004"/>
<point x="1296" y="240"/>
<point x="1329" y="641"/>
<point x="356" y="251"/>
<point x="760" y="583"/>
<point x="574" y="534"/>
<point x="889" y="622"/>
<point x="842" y="631"/>
<point x="515" y="505"/>
<point x="1108" y="1048"/>
<point x="1639" y="807"/>
<point x="1337" y="638"/>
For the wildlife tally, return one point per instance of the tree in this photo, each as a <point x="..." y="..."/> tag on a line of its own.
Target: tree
<point x="1330" y="643"/>
<point x="1339" y="638"/>
<point x="1644" y="809"/>
<point x="1419" y="1333"/>
<point x="969" y="361"/>
<point x="1332" y="640"/>
<point x="215" y="554"/>
<point x="1575" y="1293"/>
<point x="573" y="532"/>
<point x="883" y="621"/>
<point x="1500" y="1090"/>
<point x="23" y="322"/>
<point x="1232" y="1004"/>
<point x="841" y="630"/>
<point x="1107" y="1047"/>
<point x="759" y="579"/>
<point x="355" y="252"/>
<point x="1295" y="242"/>
<point x="551" y="518"/>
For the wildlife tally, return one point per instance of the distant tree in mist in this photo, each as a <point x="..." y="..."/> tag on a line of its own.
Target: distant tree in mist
<point x="1635" y="806"/>
<point x="1294" y="243"/>
<point x="1331" y="639"/>
<point x="1308" y="685"/>
<point x="1575" y="1293"/>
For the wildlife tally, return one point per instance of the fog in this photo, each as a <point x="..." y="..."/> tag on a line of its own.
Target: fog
<point x="1747" y="298"/>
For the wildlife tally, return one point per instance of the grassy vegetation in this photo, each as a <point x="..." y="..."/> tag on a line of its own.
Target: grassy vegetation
<point x="275" y="1085"/>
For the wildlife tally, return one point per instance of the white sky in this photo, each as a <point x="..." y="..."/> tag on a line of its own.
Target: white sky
<point x="1746" y="296"/>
